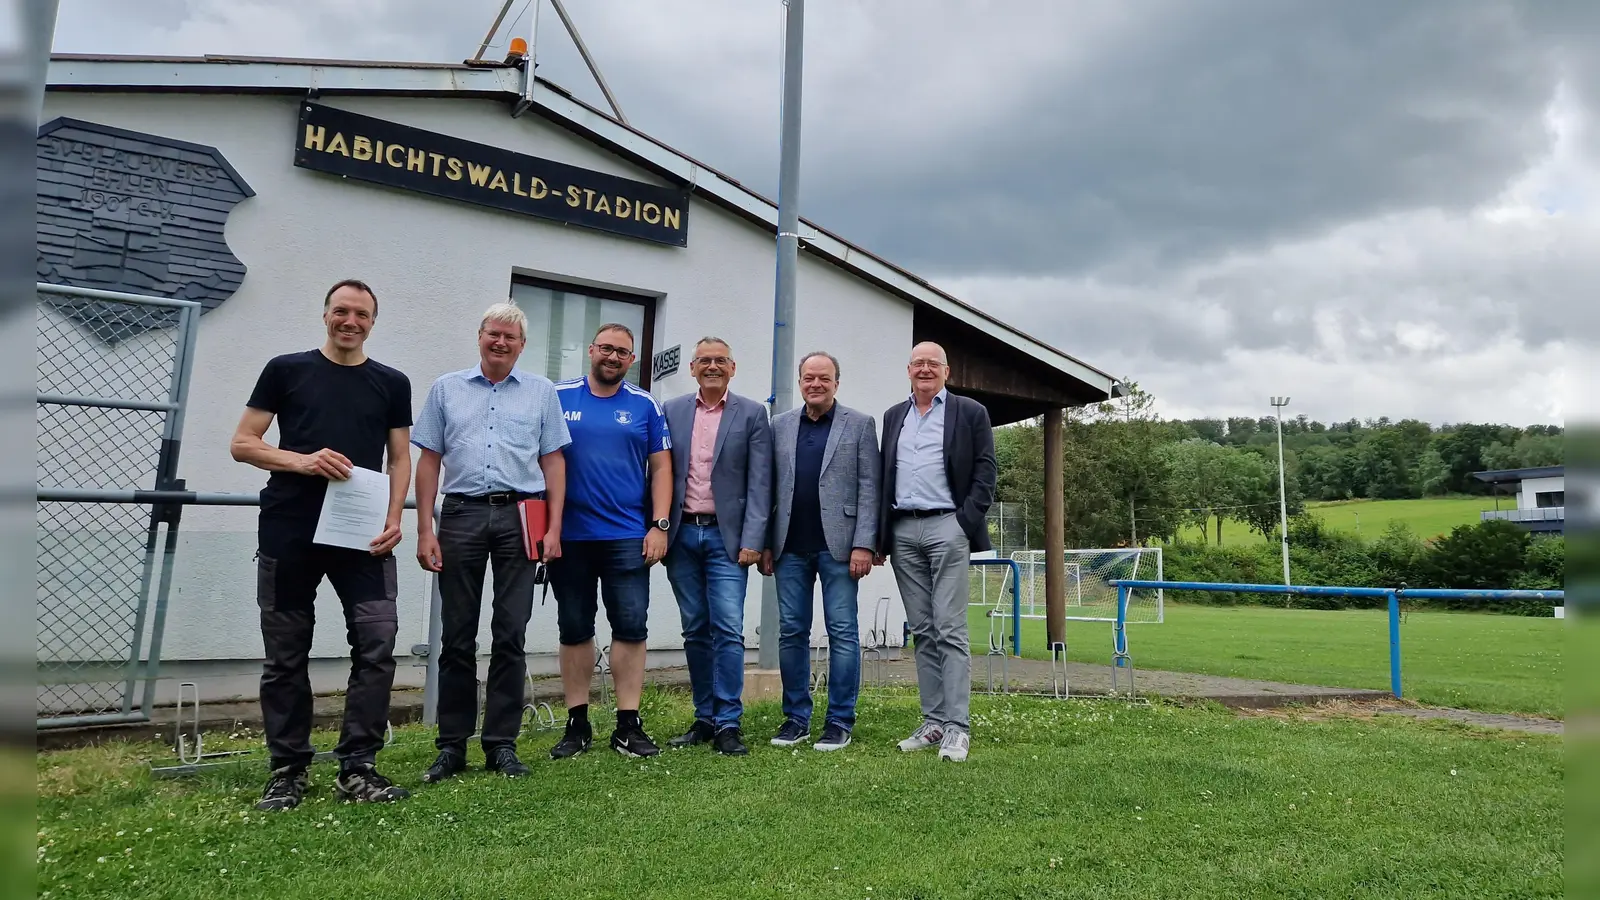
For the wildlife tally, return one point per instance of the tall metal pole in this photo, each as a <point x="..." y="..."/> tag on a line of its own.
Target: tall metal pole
<point x="783" y="380"/>
<point x="1278" y="403"/>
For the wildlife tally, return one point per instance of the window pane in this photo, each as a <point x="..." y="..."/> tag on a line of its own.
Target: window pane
<point x="561" y="323"/>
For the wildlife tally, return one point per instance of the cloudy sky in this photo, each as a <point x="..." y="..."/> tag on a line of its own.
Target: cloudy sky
<point x="1377" y="208"/>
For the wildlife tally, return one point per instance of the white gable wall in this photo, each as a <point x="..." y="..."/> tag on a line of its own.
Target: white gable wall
<point x="436" y="264"/>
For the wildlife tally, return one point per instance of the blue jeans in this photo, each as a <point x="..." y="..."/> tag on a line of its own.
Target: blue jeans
<point x="710" y="588"/>
<point x="797" y="573"/>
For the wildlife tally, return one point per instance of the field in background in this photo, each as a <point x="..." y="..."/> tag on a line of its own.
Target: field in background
<point x="1074" y="799"/>
<point x="1368" y="518"/>
<point x="1492" y="663"/>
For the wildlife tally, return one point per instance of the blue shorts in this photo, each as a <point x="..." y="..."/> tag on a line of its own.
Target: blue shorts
<point x="619" y="569"/>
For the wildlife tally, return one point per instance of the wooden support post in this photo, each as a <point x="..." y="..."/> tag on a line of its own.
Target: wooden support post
<point x="1055" y="532"/>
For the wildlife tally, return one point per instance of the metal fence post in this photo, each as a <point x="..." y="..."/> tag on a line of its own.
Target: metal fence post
<point x="1394" y="643"/>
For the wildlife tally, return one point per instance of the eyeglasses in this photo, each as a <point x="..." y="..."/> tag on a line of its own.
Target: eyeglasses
<point x="926" y="364"/>
<point x="608" y="350"/>
<point x="712" y="360"/>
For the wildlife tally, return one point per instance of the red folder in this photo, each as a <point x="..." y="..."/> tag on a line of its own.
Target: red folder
<point x="532" y="514"/>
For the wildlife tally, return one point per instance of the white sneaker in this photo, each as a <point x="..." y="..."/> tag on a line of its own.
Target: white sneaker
<point x="954" y="746"/>
<point x="927" y="735"/>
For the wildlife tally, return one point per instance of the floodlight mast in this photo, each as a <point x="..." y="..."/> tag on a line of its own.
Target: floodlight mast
<point x="1278" y="403"/>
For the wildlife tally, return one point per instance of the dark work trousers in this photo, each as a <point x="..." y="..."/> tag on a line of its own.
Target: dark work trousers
<point x="472" y="534"/>
<point x="289" y="569"/>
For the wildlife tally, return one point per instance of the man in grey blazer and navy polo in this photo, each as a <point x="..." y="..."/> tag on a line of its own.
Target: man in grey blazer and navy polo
<point x="721" y="500"/>
<point x="938" y="482"/>
<point x="824" y="525"/>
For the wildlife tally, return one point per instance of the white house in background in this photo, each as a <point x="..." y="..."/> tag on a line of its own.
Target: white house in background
<point x="253" y="184"/>
<point x="1541" y="496"/>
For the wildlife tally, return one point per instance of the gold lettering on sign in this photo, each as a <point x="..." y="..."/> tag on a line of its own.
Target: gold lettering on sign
<point x="412" y="159"/>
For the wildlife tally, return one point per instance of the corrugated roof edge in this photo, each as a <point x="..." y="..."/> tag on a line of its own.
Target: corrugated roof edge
<point x="842" y="254"/>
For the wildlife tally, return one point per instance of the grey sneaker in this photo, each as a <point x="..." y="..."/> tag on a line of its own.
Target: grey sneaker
<point x="955" y="744"/>
<point x="285" y="789"/>
<point x="928" y="734"/>
<point x="363" y="784"/>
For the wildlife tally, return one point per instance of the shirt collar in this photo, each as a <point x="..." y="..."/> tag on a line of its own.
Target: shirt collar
<point x="939" y="398"/>
<point x="700" y="402"/>
<point x="825" y="417"/>
<point x="477" y="373"/>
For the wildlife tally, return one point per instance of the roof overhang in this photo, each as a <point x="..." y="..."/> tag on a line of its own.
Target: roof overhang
<point x="229" y="74"/>
<point x="1509" y="476"/>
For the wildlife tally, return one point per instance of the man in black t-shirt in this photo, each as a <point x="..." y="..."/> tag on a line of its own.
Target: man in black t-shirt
<point x="335" y="409"/>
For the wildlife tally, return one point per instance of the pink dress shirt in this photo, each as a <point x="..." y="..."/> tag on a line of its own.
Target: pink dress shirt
<point x="697" y="496"/>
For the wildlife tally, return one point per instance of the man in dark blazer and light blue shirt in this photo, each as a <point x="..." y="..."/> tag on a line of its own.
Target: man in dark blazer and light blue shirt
<point x="938" y="482"/>
<point x="721" y="500"/>
<point x="824" y="525"/>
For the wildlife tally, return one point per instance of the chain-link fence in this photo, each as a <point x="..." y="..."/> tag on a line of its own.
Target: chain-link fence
<point x="113" y="373"/>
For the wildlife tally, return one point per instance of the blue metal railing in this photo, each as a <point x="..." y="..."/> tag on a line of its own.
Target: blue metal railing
<point x="1121" y="660"/>
<point x="1016" y="598"/>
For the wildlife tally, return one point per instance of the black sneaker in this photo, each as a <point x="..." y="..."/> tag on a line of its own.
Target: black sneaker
<point x="728" y="742"/>
<point x="576" y="740"/>
<point x="504" y="760"/>
<point x="630" y="740"/>
<point x="790" y="734"/>
<point x="363" y="784"/>
<point x="448" y="765"/>
<point x="285" y="789"/>
<point x="834" y="737"/>
<point x="699" y="733"/>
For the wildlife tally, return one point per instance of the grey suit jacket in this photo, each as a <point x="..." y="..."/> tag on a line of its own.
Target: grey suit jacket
<point x="741" y="469"/>
<point x="849" y="485"/>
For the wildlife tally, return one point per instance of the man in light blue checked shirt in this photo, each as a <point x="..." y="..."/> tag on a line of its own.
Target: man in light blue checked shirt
<point x="498" y="432"/>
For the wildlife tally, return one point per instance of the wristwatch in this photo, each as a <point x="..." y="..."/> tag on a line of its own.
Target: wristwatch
<point x="663" y="524"/>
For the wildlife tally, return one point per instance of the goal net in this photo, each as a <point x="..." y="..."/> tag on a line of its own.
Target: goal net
<point x="1089" y="595"/>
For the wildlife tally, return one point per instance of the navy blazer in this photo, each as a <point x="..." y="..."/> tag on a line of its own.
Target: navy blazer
<point x="969" y="465"/>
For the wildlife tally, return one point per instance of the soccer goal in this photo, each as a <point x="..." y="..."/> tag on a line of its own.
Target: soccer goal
<point x="1088" y="593"/>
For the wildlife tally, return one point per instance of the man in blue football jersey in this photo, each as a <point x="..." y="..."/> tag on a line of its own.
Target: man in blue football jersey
<point x="619" y="462"/>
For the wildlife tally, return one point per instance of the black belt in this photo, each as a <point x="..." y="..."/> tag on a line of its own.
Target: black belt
<point x="500" y="498"/>
<point x="702" y="519"/>
<point x="922" y="513"/>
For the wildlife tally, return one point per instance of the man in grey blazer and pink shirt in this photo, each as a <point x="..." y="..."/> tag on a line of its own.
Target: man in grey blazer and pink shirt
<point x="824" y="525"/>
<point x="721" y="498"/>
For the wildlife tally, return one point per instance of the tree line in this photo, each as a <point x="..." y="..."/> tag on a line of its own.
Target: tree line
<point x="1132" y="477"/>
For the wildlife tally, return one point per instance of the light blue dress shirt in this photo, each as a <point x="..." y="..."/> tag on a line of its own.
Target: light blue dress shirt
<point x="920" y="481"/>
<point x="491" y="435"/>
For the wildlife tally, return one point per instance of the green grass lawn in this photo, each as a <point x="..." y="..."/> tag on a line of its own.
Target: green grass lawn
<point x="1428" y="518"/>
<point x="1059" y="799"/>
<point x="1476" y="661"/>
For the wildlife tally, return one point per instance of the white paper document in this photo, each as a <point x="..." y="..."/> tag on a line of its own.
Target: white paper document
<point x="354" y="510"/>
